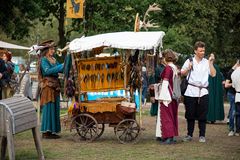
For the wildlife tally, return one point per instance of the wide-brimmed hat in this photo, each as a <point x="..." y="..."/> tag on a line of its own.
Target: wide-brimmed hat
<point x="48" y="44"/>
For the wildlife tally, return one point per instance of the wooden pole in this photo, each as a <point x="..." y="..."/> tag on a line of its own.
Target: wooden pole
<point x="125" y="71"/>
<point x="140" y="107"/>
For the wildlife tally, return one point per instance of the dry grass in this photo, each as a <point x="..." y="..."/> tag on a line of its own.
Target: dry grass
<point x="218" y="145"/>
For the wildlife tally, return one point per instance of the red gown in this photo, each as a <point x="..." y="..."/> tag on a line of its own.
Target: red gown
<point x="169" y="114"/>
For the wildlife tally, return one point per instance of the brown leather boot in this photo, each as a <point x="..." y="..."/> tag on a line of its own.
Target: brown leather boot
<point x="46" y="135"/>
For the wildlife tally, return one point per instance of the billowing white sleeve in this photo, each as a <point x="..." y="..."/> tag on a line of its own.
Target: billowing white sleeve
<point x="165" y="95"/>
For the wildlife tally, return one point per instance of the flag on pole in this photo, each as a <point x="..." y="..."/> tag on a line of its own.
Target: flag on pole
<point x="75" y="8"/>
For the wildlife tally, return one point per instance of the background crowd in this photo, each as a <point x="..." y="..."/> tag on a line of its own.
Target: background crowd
<point x="203" y="99"/>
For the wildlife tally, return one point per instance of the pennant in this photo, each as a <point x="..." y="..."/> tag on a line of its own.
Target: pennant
<point x="75" y="8"/>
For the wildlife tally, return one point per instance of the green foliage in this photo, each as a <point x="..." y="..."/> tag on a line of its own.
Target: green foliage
<point x="217" y="23"/>
<point x="16" y="17"/>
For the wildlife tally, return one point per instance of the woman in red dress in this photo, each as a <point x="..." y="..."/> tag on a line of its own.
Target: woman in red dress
<point x="167" y="121"/>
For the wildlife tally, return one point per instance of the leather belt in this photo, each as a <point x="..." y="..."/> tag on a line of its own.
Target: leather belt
<point x="200" y="88"/>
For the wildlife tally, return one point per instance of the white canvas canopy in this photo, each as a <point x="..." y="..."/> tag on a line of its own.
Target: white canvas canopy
<point x="12" y="46"/>
<point x="123" y="40"/>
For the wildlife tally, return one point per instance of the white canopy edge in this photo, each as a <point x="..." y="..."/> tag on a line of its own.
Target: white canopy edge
<point x="12" y="46"/>
<point x="122" y="40"/>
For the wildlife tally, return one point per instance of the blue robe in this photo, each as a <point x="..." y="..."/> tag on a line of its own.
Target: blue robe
<point x="51" y="110"/>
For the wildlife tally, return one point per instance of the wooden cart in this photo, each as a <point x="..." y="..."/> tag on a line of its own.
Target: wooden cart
<point x="89" y="117"/>
<point x="101" y="74"/>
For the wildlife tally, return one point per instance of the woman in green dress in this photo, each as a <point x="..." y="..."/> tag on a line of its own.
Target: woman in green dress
<point x="50" y="91"/>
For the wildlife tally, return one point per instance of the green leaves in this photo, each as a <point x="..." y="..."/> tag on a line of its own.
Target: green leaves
<point x="185" y="21"/>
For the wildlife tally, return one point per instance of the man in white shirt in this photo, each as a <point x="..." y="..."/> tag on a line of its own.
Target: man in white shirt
<point x="196" y="95"/>
<point x="236" y="85"/>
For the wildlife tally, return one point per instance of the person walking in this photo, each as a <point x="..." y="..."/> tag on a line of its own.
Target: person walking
<point x="231" y="98"/>
<point x="49" y="91"/>
<point x="196" y="94"/>
<point x="236" y="85"/>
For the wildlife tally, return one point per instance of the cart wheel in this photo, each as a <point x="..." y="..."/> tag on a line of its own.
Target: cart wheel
<point x="85" y="126"/>
<point x="101" y="128"/>
<point x="127" y="131"/>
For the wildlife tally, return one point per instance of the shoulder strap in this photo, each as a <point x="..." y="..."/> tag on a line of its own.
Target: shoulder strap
<point x="191" y="60"/>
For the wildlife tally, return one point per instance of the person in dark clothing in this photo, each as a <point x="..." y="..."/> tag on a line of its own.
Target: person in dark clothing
<point x="144" y="84"/>
<point x="3" y="75"/>
<point x="7" y="90"/>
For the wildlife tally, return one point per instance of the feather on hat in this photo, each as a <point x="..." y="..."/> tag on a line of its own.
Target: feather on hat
<point x="48" y="43"/>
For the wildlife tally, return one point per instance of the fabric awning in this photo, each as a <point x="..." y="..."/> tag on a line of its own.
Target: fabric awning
<point x="122" y="40"/>
<point x="12" y="46"/>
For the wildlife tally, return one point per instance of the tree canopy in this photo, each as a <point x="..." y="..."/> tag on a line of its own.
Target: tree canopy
<point x="217" y="23"/>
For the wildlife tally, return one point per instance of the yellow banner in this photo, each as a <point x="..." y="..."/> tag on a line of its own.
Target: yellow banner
<point x="75" y="8"/>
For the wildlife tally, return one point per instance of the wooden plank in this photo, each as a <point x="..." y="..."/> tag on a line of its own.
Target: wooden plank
<point x="20" y="103"/>
<point x="16" y="100"/>
<point x="19" y="115"/>
<point x="22" y="109"/>
<point x="13" y="99"/>
<point x="14" y="107"/>
<point x="25" y="120"/>
<point x="25" y="127"/>
<point x="22" y="106"/>
<point x="21" y="118"/>
<point x="25" y="111"/>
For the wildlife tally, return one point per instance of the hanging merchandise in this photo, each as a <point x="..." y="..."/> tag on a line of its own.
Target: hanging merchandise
<point x="135" y="71"/>
<point x="150" y="64"/>
<point x="100" y="74"/>
<point x="70" y="88"/>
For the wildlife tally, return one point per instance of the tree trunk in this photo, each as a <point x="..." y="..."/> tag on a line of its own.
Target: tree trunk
<point x="61" y="30"/>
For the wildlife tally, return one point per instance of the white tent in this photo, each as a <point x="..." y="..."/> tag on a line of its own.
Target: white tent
<point x="12" y="46"/>
<point x="123" y="40"/>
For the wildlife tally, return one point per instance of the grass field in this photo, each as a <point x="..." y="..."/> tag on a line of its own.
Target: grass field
<point x="218" y="146"/>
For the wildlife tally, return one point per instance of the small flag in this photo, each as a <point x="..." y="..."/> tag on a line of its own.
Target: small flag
<point x="75" y="8"/>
